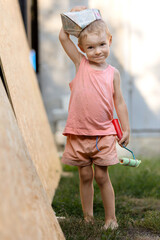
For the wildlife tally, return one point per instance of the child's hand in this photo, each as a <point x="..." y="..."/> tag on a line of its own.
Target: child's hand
<point x="125" y="139"/>
<point x="78" y="8"/>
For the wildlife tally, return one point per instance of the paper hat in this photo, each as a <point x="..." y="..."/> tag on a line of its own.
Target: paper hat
<point x="75" y="22"/>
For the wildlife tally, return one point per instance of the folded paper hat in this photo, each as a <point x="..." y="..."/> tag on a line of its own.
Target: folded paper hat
<point x="75" y="22"/>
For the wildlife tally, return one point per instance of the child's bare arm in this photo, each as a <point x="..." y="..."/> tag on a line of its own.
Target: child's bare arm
<point x="67" y="43"/>
<point x="121" y="109"/>
<point x="69" y="47"/>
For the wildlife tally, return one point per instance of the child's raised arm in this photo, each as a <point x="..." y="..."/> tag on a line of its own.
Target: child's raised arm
<point x="121" y="109"/>
<point x="67" y="43"/>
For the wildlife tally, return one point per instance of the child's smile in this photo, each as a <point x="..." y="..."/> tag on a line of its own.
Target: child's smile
<point x="96" y="48"/>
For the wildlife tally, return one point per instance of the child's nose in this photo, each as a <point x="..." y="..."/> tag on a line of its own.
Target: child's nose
<point x="97" y="50"/>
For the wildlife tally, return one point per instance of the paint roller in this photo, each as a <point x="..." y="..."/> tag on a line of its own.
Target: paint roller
<point x="125" y="161"/>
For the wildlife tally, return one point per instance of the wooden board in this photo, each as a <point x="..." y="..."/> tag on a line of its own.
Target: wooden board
<point x="25" y="96"/>
<point x="25" y="211"/>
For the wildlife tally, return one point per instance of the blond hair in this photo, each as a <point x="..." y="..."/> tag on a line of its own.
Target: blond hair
<point x="95" y="27"/>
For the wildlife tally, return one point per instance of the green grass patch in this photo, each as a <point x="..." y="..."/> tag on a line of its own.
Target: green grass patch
<point x="150" y="221"/>
<point x="137" y="203"/>
<point x="137" y="182"/>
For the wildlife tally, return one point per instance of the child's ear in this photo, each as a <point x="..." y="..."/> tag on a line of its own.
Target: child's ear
<point x="110" y="40"/>
<point x="81" y="48"/>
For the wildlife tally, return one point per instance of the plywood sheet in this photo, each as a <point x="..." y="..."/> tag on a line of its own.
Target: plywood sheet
<point x="25" y="96"/>
<point x="25" y="211"/>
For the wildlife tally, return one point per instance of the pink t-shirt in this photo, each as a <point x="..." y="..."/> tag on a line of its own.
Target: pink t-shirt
<point x="91" y="102"/>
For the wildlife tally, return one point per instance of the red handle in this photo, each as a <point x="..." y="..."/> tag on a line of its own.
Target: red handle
<point x="117" y="128"/>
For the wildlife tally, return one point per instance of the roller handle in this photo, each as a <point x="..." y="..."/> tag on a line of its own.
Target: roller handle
<point x="117" y="128"/>
<point x="120" y="134"/>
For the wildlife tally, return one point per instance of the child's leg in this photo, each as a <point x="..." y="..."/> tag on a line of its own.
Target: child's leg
<point x="107" y="193"/>
<point x="86" y="191"/>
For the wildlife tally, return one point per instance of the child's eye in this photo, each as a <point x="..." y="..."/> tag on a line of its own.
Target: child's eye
<point x="102" y="44"/>
<point x="90" y="47"/>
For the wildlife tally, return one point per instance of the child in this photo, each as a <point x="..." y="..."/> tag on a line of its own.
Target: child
<point x="91" y="137"/>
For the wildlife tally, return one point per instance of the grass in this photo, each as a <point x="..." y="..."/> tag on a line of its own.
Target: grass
<point x="137" y="193"/>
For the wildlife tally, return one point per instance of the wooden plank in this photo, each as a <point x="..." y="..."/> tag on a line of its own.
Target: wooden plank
<point x="25" y="96"/>
<point x="25" y="212"/>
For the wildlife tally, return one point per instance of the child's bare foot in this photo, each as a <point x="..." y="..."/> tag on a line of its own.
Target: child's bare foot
<point x="89" y="219"/>
<point x="112" y="224"/>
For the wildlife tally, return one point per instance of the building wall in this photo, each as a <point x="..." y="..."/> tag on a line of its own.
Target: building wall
<point x="56" y="69"/>
<point x="134" y="51"/>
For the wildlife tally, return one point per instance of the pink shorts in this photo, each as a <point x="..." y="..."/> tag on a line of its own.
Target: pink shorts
<point x="82" y="150"/>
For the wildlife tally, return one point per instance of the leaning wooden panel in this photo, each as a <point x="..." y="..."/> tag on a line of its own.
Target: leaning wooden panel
<point x="25" y="96"/>
<point x="25" y="212"/>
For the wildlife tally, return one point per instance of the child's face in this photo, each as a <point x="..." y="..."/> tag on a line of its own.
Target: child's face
<point x="96" y="47"/>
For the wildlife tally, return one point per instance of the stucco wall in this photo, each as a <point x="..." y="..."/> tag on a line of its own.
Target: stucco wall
<point x="137" y="63"/>
<point x="134" y="52"/>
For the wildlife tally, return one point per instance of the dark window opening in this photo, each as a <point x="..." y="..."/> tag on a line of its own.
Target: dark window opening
<point x="34" y="31"/>
<point x="29" y="10"/>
